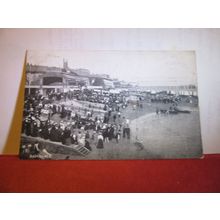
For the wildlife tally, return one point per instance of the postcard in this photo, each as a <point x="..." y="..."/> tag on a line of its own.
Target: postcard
<point x="111" y="105"/>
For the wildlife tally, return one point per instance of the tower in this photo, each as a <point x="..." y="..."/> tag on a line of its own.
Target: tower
<point x="65" y="64"/>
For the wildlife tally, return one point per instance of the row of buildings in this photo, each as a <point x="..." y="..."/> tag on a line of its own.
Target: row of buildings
<point x="44" y="79"/>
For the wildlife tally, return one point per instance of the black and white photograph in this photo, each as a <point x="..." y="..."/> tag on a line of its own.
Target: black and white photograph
<point x="110" y="105"/>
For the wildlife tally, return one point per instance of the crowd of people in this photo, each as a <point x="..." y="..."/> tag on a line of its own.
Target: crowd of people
<point x="173" y="102"/>
<point x="165" y="98"/>
<point x="98" y="117"/>
<point x="74" y="127"/>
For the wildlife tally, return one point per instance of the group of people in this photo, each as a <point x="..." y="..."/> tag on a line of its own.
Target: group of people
<point x="34" y="150"/>
<point x="165" y="99"/>
<point x="71" y="132"/>
<point x="72" y="128"/>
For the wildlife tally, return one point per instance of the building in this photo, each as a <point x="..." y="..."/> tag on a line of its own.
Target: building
<point x="45" y="79"/>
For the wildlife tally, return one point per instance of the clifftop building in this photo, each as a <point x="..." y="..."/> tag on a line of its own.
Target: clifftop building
<point x="45" y="79"/>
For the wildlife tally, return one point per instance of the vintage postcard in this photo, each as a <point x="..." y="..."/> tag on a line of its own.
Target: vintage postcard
<point x="111" y="105"/>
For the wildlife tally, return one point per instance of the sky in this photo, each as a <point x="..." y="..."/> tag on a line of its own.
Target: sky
<point x="146" y="68"/>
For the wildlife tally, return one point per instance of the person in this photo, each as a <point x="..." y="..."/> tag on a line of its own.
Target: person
<point x="35" y="129"/>
<point x="81" y="140"/>
<point x="87" y="134"/>
<point x="126" y="129"/>
<point x="25" y="152"/>
<point x="114" y="117"/>
<point x="45" y="131"/>
<point x="73" y="115"/>
<point x="35" y="149"/>
<point x="93" y="135"/>
<point x="119" y="114"/>
<point x="117" y="134"/>
<point x="74" y="139"/>
<point x="44" y="154"/>
<point x="54" y="109"/>
<point x="27" y="127"/>
<point x="87" y="145"/>
<point x="111" y="131"/>
<point x="53" y="134"/>
<point x="100" y="144"/>
<point x="66" y="140"/>
<point x="105" y="133"/>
